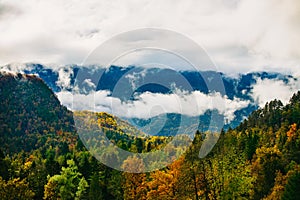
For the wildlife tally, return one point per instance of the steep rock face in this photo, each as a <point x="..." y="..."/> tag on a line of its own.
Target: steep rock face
<point x="30" y="113"/>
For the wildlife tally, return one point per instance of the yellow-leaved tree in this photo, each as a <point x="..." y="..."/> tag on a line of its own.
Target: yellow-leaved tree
<point x="135" y="183"/>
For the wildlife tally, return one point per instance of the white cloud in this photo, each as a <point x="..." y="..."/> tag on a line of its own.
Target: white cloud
<point x="64" y="77"/>
<point x="16" y="68"/>
<point x="269" y="89"/>
<point x="240" y="36"/>
<point x="150" y="105"/>
<point x="89" y="83"/>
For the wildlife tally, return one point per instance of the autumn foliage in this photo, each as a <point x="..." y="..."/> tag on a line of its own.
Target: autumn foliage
<point x="41" y="156"/>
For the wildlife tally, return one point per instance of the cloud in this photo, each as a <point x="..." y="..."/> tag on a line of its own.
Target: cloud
<point x="269" y="89"/>
<point x="7" y="10"/>
<point x="64" y="77"/>
<point x="149" y="105"/>
<point x="89" y="83"/>
<point x="16" y="67"/>
<point x="239" y="35"/>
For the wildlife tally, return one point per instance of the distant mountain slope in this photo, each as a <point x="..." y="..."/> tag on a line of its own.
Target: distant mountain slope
<point x="125" y="82"/>
<point x="30" y="113"/>
<point x="115" y="124"/>
<point x="63" y="78"/>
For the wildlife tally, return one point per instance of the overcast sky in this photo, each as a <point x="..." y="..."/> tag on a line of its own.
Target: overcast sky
<point x="238" y="35"/>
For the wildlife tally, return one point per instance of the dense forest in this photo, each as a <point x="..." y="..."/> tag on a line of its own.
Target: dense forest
<point x="42" y="157"/>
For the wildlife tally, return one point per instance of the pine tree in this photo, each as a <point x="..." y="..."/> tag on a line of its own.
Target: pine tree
<point x="292" y="188"/>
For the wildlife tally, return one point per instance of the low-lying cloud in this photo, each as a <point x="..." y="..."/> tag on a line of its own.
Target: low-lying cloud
<point x="147" y="105"/>
<point x="269" y="89"/>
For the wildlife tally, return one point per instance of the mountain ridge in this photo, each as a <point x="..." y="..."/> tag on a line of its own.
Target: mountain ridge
<point x="121" y="82"/>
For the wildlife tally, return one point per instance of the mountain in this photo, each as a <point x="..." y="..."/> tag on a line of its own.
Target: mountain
<point x="31" y="117"/>
<point x="269" y="141"/>
<point x="29" y="108"/>
<point x="128" y="83"/>
<point x="60" y="78"/>
<point x="41" y="156"/>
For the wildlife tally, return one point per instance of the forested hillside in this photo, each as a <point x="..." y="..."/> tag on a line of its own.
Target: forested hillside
<point x="42" y="157"/>
<point x="31" y="117"/>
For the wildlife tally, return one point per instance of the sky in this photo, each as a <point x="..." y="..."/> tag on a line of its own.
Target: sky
<point x="238" y="35"/>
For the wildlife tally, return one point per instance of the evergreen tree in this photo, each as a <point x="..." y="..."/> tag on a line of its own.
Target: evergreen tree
<point x="292" y="188"/>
